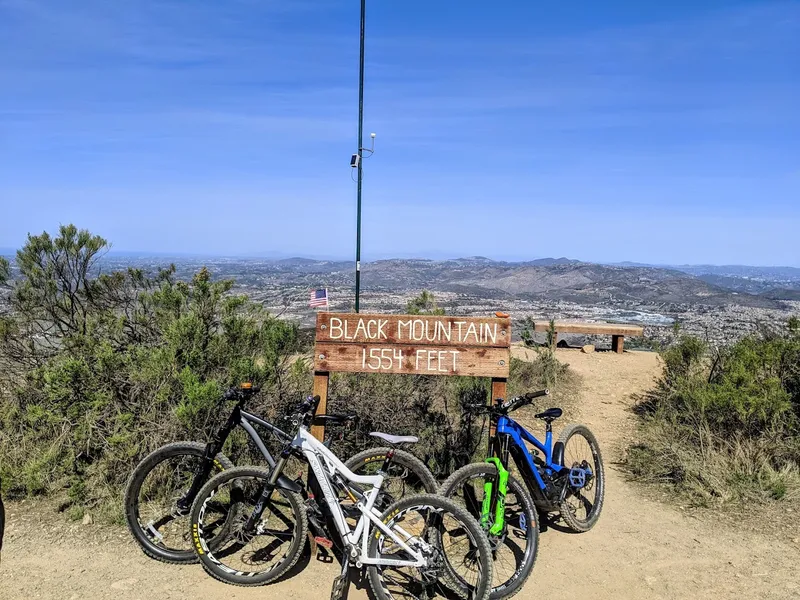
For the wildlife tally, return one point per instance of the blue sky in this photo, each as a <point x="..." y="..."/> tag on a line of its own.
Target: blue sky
<point x="653" y="132"/>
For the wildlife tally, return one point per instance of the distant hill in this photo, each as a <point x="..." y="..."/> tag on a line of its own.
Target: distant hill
<point x="544" y="279"/>
<point x="782" y="294"/>
<point x="764" y="281"/>
<point x="574" y="281"/>
<point x="744" y="271"/>
<point x="551" y="262"/>
<point x="548" y="279"/>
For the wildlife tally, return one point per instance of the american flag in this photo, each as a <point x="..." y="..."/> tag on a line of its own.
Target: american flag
<point x="319" y="298"/>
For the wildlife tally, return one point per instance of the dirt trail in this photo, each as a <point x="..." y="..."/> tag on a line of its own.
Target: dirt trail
<point x="641" y="548"/>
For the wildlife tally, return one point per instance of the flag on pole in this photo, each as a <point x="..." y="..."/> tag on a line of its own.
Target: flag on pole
<point x="319" y="298"/>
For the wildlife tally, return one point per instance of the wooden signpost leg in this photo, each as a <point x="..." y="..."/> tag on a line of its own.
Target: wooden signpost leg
<point x="321" y="390"/>
<point x="499" y="389"/>
<point x="617" y="343"/>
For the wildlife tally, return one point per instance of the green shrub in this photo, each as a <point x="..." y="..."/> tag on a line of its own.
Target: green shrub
<point x="722" y="425"/>
<point x="98" y="369"/>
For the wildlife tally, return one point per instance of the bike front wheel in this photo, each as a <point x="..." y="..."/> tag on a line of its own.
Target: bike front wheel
<point x="155" y="488"/>
<point x="515" y="546"/>
<point x="456" y="552"/>
<point x="231" y="553"/>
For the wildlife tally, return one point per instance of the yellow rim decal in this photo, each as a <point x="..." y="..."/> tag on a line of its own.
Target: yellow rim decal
<point x="196" y="537"/>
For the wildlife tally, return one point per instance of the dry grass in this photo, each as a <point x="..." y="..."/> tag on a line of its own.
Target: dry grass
<point x="718" y="471"/>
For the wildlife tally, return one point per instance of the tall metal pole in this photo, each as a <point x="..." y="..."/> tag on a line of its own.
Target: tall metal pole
<point x="360" y="149"/>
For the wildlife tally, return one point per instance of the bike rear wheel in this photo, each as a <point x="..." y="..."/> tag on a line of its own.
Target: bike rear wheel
<point x="163" y="477"/>
<point x="447" y="535"/>
<point x="226" y="550"/>
<point x="581" y="506"/>
<point x="407" y="474"/>
<point x="514" y="550"/>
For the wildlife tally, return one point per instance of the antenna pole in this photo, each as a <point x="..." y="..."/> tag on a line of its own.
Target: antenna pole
<point x="360" y="154"/>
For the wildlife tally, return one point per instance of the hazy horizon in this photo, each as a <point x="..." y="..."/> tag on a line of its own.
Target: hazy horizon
<point x="276" y="256"/>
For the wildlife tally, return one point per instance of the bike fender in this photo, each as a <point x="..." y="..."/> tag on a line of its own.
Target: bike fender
<point x="558" y="454"/>
<point x="287" y="484"/>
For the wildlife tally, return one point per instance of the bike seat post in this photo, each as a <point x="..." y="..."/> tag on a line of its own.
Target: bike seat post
<point x="387" y="462"/>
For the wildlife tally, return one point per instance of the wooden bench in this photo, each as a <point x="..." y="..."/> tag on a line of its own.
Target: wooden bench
<point x="617" y="332"/>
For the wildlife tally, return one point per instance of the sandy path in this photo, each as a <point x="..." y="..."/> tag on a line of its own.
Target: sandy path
<point x="641" y="548"/>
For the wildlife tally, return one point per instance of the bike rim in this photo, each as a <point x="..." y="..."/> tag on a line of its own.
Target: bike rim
<point x="220" y="528"/>
<point x="156" y="509"/>
<point x="448" y="539"/>
<point x="579" y="452"/>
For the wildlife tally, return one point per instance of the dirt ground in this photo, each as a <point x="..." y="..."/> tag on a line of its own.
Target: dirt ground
<point x="641" y="548"/>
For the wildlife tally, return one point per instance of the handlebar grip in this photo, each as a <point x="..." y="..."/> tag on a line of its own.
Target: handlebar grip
<point x="534" y="395"/>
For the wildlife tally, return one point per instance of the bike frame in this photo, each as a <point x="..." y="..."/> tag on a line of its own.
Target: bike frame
<point x="246" y="420"/>
<point x="326" y="467"/>
<point x="508" y="429"/>
<point x="519" y="435"/>
<point x="238" y="417"/>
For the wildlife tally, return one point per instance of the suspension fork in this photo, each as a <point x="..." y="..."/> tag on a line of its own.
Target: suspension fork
<point x="212" y="448"/>
<point x="266" y="492"/>
<point x="494" y="492"/>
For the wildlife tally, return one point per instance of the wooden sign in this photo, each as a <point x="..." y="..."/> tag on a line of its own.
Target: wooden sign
<point x="411" y="359"/>
<point x="411" y="344"/>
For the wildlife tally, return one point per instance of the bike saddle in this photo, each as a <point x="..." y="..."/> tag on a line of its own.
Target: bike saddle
<point x="334" y="418"/>
<point x="550" y="415"/>
<point x="395" y="439"/>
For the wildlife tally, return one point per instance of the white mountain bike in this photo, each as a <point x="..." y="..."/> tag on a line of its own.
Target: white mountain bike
<point x="249" y="526"/>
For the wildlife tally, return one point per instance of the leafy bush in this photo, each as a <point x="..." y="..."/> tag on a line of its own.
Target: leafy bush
<point x="424" y="304"/>
<point x="98" y="369"/>
<point x="723" y="426"/>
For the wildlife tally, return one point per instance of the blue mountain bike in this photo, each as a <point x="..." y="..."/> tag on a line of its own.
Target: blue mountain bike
<point x="565" y="478"/>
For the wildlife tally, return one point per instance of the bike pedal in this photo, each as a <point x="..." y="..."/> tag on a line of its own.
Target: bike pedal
<point x="324" y="542"/>
<point x="341" y="583"/>
<point x="339" y="589"/>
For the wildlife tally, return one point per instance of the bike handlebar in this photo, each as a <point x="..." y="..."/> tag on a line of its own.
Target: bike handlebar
<point x="533" y="395"/>
<point x="502" y="408"/>
<point x="308" y="407"/>
<point x="520" y="401"/>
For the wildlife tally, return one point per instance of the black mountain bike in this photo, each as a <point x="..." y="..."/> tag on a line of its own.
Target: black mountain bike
<point x="162" y="488"/>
